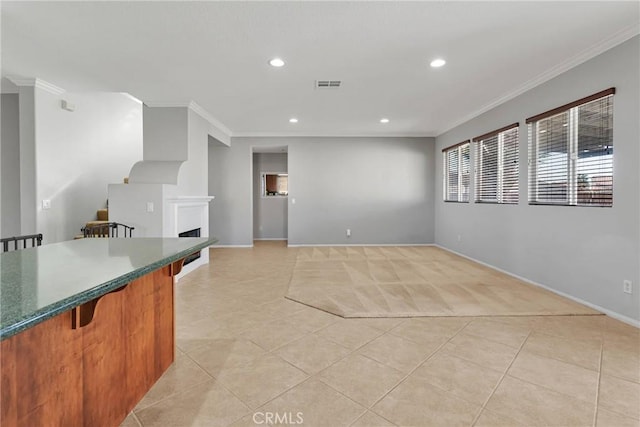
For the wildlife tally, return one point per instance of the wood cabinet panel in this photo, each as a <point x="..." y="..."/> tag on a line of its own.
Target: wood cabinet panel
<point x="42" y="376"/>
<point x="103" y="364"/>
<point x="146" y="358"/>
<point x="164" y="321"/>
<point x="91" y="367"/>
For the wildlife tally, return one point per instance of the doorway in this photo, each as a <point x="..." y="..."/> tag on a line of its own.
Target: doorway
<point x="270" y="193"/>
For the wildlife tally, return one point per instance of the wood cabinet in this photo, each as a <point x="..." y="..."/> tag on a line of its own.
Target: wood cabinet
<point x="91" y="365"/>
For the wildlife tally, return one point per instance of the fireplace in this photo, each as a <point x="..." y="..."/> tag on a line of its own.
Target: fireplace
<point x="191" y="233"/>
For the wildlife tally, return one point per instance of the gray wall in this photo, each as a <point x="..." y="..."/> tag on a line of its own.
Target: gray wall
<point x="380" y="188"/>
<point x="166" y="133"/>
<point x="178" y="134"/>
<point x="269" y="213"/>
<point x="194" y="172"/>
<point x="585" y="252"/>
<point x="10" y="183"/>
<point x="28" y="185"/>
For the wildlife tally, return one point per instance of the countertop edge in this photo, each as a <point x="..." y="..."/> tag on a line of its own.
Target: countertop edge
<point x="69" y="303"/>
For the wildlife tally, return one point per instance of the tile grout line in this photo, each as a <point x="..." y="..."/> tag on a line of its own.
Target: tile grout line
<point x="340" y="393"/>
<point x="217" y="380"/>
<point x="403" y="379"/>
<point x="135" y="417"/>
<point x="354" y="352"/>
<point x="192" y="386"/>
<point x="595" y="414"/>
<point x="309" y="376"/>
<point x="177" y="393"/>
<point x="377" y="415"/>
<point x="560" y="360"/>
<point x="315" y="375"/>
<point x="484" y="405"/>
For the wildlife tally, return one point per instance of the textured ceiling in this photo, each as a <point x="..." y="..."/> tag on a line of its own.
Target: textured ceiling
<point x="216" y="53"/>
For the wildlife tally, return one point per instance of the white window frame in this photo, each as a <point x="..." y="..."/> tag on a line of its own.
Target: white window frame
<point x="500" y="133"/>
<point x="535" y="198"/>
<point x="445" y="173"/>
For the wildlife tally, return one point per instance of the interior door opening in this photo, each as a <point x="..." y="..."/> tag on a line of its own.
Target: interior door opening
<point x="270" y="193"/>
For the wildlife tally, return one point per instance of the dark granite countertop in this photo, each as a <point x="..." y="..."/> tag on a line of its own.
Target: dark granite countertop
<point x="40" y="283"/>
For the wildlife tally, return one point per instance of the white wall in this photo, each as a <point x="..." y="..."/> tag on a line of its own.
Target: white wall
<point x="129" y="206"/>
<point x="269" y="213"/>
<point x="10" y="155"/>
<point x="381" y="188"/>
<point x="176" y="134"/>
<point x="77" y="154"/>
<point x="585" y="252"/>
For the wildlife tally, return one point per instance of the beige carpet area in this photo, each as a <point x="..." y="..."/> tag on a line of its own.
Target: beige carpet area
<point x="399" y="281"/>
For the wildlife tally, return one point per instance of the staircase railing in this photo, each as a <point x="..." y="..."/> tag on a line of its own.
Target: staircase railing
<point x="108" y="229"/>
<point x="36" y="240"/>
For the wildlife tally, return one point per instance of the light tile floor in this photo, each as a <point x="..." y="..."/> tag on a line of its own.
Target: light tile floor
<point x="244" y="352"/>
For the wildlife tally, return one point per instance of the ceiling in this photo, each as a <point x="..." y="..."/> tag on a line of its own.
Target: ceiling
<point x="216" y="54"/>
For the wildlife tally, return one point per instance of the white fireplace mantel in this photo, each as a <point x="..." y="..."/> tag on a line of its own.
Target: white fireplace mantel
<point x="190" y="199"/>
<point x="185" y="213"/>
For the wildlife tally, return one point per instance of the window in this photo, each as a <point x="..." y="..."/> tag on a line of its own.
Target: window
<point x="275" y="184"/>
<point x="456" y="172"/>
<point x="497" y="166"/>
<point x="571" y="153"/>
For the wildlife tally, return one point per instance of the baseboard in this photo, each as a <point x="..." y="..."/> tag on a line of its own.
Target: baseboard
<point x="610" y="313"/>
<point x="230" y="246"/>
<point x="305" y="245"/>
<point x="271" y="238"/>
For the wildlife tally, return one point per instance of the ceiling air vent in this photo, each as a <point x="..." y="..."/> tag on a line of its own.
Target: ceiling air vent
<point x="328" y="84"/>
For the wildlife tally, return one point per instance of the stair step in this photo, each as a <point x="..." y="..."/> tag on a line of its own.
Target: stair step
<point x="103" y="214"/>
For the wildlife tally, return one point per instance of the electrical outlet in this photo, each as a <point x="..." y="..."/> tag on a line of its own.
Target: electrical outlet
<point x="627" y="286"/>
<point x="46" y="204"/>
<point x="348" y="232"/>
<point x="150" y="207"/>
<point x="459" y="238"/>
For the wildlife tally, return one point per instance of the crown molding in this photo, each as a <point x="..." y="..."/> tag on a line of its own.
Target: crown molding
<point x="196" y="108"/>
<point x="35" y="82"/>
<point x="587" y="54"/>
<point x="208" y="117"/>
<point x="131" y="97"/>
<point x="162" y="104"/>
<point x="332" y="135"/>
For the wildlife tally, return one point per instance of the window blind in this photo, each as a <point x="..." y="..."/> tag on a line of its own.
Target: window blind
<point x="571" y="153"/>
<point x="456" y="168"/>
<point x="497" y="166"/>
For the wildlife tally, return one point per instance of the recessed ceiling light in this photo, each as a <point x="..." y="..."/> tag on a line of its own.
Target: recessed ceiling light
<point x="293" y="120"/>
<point x="276" y="62"/>
<point x="385" y="120"/>
<point x="439" y="62"/>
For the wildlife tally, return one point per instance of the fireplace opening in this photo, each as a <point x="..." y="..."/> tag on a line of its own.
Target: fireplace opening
<point x="191" y="233"/>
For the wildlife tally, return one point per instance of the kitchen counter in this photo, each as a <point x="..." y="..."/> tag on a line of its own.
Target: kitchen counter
<point x="39" y="283"/>
<point x="88" y="326"/>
